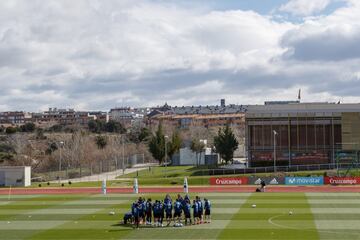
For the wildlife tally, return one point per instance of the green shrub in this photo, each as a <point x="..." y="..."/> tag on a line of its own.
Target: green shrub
<point x="10" y="130"/>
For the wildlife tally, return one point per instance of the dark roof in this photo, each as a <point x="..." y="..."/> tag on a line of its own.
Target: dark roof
<point x="188" y="110"/>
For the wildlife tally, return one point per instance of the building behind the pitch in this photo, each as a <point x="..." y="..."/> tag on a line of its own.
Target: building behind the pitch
<point x="16" y="176"/>
<point x="305" y="133"/>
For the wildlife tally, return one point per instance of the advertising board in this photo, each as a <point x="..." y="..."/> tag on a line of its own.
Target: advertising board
<point x="268" y="180"/>
<point x="342" y="180"/>
<point x="304" y="181"/>
<point x="228" y="180"/>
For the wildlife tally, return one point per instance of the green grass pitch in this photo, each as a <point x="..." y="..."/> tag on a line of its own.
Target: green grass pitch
<point x="315" y="216"/>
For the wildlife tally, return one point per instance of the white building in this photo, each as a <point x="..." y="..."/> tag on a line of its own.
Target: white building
<point x="186" y="157"/>
<point x="15" y="176"/>
<point x="127" y="115"/>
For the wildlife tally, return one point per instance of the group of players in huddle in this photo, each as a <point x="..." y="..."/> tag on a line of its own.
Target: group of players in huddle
<point x="155" y="213"/>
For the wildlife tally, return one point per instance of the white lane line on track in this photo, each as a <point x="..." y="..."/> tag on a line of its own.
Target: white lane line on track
<point x="270" y="220"/>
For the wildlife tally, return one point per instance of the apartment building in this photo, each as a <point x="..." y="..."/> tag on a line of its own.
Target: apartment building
<point x="17" y="117"/>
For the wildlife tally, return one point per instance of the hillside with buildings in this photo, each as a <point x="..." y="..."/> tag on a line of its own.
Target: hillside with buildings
<point x="66" y="140"/>
<point x="281" y="133"/>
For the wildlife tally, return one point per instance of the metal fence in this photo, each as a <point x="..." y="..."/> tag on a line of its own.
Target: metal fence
<point x="296" y="168"/>
<point x="116" y="169"/>
<point x="111" y="166"/>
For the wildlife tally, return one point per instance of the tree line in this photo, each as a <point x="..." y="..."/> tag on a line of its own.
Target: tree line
<point x="225" y="144"/>
<point x="101" y="144"/>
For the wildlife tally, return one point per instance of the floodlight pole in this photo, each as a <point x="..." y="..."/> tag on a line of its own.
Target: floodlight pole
<point x="123" y="154"/>
<point x="275" y="133"/>
<point x="60" y="160"/>
<point x="165" y="157"/>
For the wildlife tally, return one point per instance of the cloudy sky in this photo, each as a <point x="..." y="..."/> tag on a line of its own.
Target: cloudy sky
<point x="95" y="55"/>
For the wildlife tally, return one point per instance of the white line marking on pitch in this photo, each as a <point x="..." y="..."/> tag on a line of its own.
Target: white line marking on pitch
<point x="270" y="220"/>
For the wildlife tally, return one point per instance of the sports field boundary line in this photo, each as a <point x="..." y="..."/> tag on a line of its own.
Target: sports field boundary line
<point x="198" y="189"/>
<point x="270" y="220"/>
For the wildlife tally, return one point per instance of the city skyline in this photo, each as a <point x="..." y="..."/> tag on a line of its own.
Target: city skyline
<point x="96" y="55"/>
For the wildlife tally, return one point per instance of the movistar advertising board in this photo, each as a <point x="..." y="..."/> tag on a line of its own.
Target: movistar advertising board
<point x="304" y="180"/>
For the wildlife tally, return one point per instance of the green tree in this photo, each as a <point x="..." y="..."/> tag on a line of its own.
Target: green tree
<point x="138" y="135"/>
<point x="7" y="152"/>
<point x="198" y="147"/>
<point x="56" y="128"/>
<point x="40" y="134"/>
<point x="97" y="126"/>
<point x="157" y="145"/>
<point x="52" y="147"/>
<point x="225" y="144"/>
<point x="101" y="141"/>
<point x="10" y="130"/>
<point x="94" y="126"/>
<point x="144" y="134"/>
<point x="5" y="147"/>
<point x="28" y="127"/>
<point x="175" y="144"/>
<point x="114" y="127"/>
<point x="6" y="157"/>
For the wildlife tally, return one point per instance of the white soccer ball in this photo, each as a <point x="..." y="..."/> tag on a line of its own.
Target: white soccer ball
<point x="290" y="213"/>
<point x="253" y="206"/>
<point x="111" y="213"/>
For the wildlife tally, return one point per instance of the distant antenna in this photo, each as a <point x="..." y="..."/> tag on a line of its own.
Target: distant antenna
<point x="299" y="95"/>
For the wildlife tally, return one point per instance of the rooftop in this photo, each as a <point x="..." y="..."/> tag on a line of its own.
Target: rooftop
<point x="319" y="107"/>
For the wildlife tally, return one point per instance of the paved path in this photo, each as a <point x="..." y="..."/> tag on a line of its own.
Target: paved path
<point x="175" y="189"/>
<point x="106" y="175"/>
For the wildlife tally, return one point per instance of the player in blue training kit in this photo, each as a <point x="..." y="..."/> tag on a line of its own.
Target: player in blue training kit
<point x="187" y="212"/>
<point x="179" y="198"/>
<point x="148" y="211"/>
<point x="136" y="215"/>
<point x="167" y="198"/>
<point x="200" y="209"/>
<point x="156" y="210"/>
<point x="133" y="206"/>
<point x="141" y="207"/>
<point x="162" y="209"/>
<point x="195" y="207"/>
<point x="128" y="218"/>
<point x="177" y="214"/>
<point x="168" y="211"/>
<point x="207" y="206"/>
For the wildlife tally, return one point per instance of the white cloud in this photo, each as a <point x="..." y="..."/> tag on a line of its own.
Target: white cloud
<point x="332" y="38"/>
<point x="304" y="7"/>
<point x="100" y="54"/>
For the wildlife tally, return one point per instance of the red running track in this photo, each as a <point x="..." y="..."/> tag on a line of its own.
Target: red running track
<point x="202" y="189"/>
